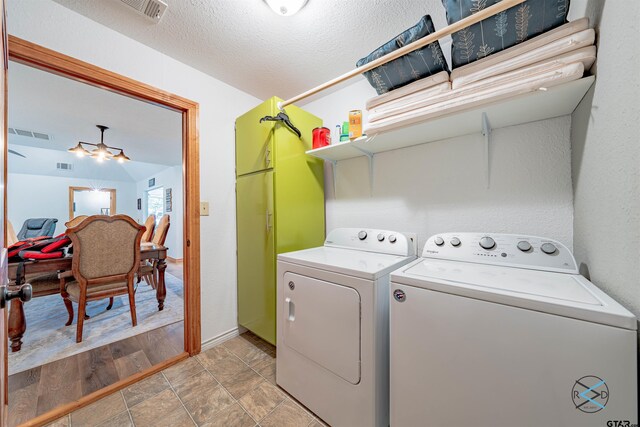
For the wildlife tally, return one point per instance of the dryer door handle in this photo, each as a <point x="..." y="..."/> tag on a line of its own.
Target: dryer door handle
<point x="291" y="309"/>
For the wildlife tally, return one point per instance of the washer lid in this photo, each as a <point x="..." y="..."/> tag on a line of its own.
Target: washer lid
<point x="564" y="294"/>
<point x="357" y="263"/>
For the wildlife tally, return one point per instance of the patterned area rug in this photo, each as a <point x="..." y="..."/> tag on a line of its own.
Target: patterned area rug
<point x="47" y="338"/>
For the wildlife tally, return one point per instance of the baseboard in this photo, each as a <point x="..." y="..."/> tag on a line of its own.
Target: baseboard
<point x="172" y="259"/>
<point x="225" y="336"/>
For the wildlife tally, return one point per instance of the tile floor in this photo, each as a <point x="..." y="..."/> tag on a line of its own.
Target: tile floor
<point x="232" y="384"/>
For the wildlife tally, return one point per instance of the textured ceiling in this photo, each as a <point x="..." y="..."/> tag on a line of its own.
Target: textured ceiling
<point x="245" y="44"/>
<point x="69" y="110"/>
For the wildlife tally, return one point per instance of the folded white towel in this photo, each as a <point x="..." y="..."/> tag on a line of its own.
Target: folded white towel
<point x="434" y="92"/>
<point x="421" y="84"/>
<point x="556" y="42"/>
<point x="480" y="96"/>
<point x="586" y="56"/>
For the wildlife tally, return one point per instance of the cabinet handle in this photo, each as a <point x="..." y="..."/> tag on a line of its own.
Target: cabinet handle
<point x="268" y="220"/>
<point x="291" y="310"/>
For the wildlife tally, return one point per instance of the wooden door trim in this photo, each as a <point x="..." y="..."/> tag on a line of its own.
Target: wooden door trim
<point x="112" y="199"/>
<point x="31" y="54"/>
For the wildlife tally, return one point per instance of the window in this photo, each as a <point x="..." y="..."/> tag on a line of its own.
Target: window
<point x="155" y="202"/>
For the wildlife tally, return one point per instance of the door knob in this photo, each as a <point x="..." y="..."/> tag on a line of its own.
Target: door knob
<point x="24" y="293"/>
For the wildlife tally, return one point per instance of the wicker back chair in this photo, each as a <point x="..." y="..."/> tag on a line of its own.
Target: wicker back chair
<point x="149" y="224"/>
<point x="160" y="235"/>
<point x="106" y="258"/>
<point x="75" y="221"/>
<point x="149" y="270"/>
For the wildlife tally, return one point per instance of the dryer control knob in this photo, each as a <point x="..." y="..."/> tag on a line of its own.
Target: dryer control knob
<point x="549" y="248"/>
<point x="455" y="241"/>
<point x="487" y="243"/>
<point x="392" y="238"/>
<point x="438" y="241"/>
<point x="380" y="237"/>
<point x="524" y="246"/>
<point x="362" y="235"/>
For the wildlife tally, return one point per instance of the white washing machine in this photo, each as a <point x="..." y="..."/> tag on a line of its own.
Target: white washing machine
<point x="501" y="330"/>
<point x="333" y="330"/>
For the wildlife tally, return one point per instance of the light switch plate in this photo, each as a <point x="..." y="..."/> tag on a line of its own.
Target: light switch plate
<point x="204" y="208"/>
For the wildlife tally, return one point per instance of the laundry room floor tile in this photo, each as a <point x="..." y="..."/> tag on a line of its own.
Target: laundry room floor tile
<point x="260" y="401"/>
<point x="231" y="385"/>
<point x="182" y="371"/>
<point x="287" y="414"/>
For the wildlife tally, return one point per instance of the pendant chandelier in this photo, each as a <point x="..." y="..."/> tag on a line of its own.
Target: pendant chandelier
<point x="101" y="152"/>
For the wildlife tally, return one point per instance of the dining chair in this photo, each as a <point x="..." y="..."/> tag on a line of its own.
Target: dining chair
<point x="150" y="224"/>
<point x="106" y="258"/>
<point x="75" y="221"/>
<point x="149" y="270"/>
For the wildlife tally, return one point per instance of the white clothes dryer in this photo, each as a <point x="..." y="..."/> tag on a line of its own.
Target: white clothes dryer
<point x="501" y="330"/>
<point x="332" y="324"/>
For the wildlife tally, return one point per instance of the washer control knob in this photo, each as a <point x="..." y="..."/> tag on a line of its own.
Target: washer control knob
<point x="380" y="237"/>
<point x="549" y="248"/>
<point x="524" y="246"/>
<point x="392" y="238"/>
<point x="455" y="241"/>
<point x="439" y="241"/>
<point x="487" y="243"/>
<point x="362" y="235"/>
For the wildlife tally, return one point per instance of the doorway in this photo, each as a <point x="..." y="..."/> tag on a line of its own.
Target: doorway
<point x="91" y="201"/>
<point x="47" y="60"/>
<point x="155" y="203"/>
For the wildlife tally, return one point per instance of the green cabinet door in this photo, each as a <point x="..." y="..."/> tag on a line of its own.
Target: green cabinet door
<point x="254" y="148"/>
<point x="299" y="186"/>
<point x="256" y="255"/>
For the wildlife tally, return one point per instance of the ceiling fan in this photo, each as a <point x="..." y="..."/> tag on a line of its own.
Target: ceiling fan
<point x="16" y="153"/>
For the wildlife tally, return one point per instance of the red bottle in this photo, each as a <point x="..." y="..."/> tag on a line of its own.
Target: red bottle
<point x="321" y="137"/>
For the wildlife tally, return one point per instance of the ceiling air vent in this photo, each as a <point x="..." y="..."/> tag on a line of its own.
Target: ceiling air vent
<point x="30" y="134"/>
<point x="152" y="9"/>
<point x="64" y="166"/>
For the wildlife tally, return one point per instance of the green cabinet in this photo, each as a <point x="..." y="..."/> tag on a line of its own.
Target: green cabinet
<point x="279" y="206"/>
<point x="254" y="140"/>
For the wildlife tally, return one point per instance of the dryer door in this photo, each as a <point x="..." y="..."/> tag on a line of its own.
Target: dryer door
<point x="322" y="322"/>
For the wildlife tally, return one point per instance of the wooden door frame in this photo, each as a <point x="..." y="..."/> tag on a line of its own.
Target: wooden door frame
<point x="31" y="54"/>
<point x="112" y="199"/>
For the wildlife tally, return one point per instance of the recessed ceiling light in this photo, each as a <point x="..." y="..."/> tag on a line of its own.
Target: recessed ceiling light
<point x="286" y="7"/>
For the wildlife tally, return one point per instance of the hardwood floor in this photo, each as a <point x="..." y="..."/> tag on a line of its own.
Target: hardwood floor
<point x="38" y="390"/>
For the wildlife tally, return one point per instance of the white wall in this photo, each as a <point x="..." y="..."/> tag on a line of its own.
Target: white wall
<point x="40" y="196"/>
<point x="51" y="25"/>
<point x="440" y="186"/>
<point x="606" y="158"/>
<point x="168" y="178"/>
<point x="91" y="202"/>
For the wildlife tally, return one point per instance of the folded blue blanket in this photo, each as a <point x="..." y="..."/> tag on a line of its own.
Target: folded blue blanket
<point x="506" y="29"/>
<point x="413" y="66"/>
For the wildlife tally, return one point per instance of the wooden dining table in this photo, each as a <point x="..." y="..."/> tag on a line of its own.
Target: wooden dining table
<point x="17" y="321"/>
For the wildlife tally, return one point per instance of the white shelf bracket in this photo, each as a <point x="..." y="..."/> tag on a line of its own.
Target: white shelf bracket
<point x="486" y="132"/>
<point x="370" y="156"/>
<point x="334" y="167"/>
